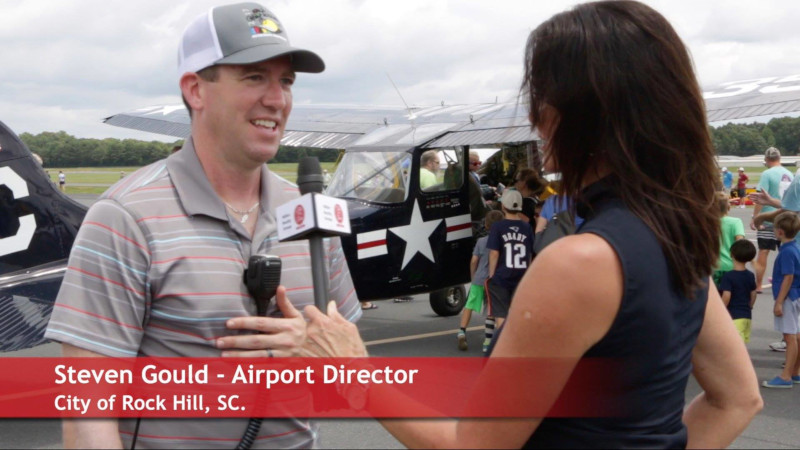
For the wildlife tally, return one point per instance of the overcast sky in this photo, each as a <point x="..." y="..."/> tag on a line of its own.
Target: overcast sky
<point x="65" y="65"/>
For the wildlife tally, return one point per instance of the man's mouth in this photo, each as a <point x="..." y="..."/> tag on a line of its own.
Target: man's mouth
<point x="264" y="123"/>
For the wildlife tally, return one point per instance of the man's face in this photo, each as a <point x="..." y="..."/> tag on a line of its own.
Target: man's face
<point x="246" y="109"/>
<point x="474" y="163"/>
<point x="433" y="164"/>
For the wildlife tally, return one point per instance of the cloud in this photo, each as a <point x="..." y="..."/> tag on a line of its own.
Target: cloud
<point x="66" y="65"/>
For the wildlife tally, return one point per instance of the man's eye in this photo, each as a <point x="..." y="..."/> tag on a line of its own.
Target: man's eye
<point x="287" y="81"/>
<point x="255" y="77"/>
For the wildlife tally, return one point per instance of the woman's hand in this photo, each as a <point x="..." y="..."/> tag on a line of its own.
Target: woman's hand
<point x="331" y="336"/>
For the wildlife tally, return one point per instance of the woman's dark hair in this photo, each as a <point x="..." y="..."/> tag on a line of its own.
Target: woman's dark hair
<point x="626" y="99"/>
<point x="533" y="182"/>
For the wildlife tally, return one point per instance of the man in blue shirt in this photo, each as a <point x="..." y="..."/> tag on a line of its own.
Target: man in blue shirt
<point x="727" y="180"/>
<point x="775" y="181"/>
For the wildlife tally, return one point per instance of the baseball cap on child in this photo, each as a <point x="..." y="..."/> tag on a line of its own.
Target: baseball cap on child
<point x="512" y="200"/>
<point x="243" y="33"/>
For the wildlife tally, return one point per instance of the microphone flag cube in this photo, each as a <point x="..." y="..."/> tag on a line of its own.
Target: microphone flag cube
<point x="312" y="213"/>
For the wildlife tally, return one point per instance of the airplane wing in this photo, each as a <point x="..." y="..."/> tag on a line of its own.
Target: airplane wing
<point x="337" y="127"/>
<point x="753" y="98"/>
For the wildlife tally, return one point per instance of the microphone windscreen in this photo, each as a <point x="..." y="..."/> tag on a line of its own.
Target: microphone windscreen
<point x="309" y="175"/>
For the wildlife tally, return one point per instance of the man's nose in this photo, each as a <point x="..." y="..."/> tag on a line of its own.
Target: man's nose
<point x="275" y="96"/>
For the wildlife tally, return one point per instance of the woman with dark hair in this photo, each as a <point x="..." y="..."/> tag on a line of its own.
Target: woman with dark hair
<point x="612" y="91"/>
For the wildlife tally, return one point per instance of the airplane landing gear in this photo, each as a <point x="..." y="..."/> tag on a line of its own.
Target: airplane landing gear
<point x="449" y="301"/>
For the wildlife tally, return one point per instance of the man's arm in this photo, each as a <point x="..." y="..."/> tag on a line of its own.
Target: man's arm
<point x="756" y="212"/>
<point x="763" y="198"/>
<point x="766" y="217"/>
<point x="726" y="297"/>
<point x="88" y="433"/>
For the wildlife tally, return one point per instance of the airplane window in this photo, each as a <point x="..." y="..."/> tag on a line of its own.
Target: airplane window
<point x="373" y="176"/>
<point x="440" y="170"/>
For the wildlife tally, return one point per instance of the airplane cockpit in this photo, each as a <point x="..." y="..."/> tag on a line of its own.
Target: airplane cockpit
<point x="384" y="176"/>
<point x="373" y="176"/>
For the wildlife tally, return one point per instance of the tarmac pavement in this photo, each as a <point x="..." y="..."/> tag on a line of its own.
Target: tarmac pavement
<point x="412" y="329"/>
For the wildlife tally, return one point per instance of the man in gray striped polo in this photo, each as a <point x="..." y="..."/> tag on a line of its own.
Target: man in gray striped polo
<point x="156" y="269"/>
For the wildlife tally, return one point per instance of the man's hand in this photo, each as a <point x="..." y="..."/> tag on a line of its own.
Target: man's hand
<point x="778" y="309"/>
<point x="277" y="336"/>
<point x="763" y="198"/>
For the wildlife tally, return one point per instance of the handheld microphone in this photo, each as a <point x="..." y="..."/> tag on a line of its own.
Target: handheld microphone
<point x="309" y="175"/>
<point x="309" y="180"/>
<point x="262" y="277"/>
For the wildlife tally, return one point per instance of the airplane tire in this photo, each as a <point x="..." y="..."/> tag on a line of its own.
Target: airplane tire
<point x="449" y="301"/>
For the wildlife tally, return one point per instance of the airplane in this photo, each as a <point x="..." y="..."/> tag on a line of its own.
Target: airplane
<point x="405" y="239"/>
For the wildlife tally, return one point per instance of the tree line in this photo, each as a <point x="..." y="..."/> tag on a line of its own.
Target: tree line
<point x="753" y="138"/>
<point x="63" y="150"/>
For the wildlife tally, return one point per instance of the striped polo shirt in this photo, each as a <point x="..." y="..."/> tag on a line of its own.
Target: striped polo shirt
<point x="156" y="270"/>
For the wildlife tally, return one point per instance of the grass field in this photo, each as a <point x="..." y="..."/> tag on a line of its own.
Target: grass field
<point x="95" y="180"/>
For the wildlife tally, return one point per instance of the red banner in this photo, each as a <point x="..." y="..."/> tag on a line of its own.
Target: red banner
<point x="307" y="387"/>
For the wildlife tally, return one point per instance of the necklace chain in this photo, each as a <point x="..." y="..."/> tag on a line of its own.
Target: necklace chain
<point x="245" y="214"/>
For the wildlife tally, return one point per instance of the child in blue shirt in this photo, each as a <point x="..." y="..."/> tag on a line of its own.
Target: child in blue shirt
<point x="786" y="291"/>
<point x="510" y="247"/>
<point x="738" y="287"/>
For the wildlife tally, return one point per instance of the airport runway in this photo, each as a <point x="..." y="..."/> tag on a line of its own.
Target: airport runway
<point x="412" y="329"/>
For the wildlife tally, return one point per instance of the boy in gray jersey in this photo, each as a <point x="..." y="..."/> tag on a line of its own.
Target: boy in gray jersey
<point x="479" y="269"/>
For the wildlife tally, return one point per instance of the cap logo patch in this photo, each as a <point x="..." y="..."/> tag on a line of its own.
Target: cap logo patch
<point x="262" y="24"/>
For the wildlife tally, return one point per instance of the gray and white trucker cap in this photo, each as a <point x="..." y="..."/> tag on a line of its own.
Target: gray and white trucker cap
<point x="243" y="33"/>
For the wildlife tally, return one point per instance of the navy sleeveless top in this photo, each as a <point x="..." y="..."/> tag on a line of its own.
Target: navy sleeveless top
<point x="653" y="335"/>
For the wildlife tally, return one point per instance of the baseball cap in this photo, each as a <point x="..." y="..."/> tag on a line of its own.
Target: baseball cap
<point x="772" y="153"/>
<point x="741" y="169"/>
<point x="512" y="200"/>
<point x="242" y="33"/>
<point x="724" y="169"/>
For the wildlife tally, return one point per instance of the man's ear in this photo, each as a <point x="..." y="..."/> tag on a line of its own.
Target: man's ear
<point x="190" y="88"/>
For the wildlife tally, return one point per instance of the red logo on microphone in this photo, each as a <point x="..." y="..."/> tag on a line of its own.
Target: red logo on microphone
<point x="299" y="214"/>
<point x="337" y="211"/>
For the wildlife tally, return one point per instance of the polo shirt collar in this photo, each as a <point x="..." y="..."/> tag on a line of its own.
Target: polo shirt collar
<point x="194" y="189"/>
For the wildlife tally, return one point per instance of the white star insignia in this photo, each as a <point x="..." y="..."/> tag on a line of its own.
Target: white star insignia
<point x="416" y="235"/>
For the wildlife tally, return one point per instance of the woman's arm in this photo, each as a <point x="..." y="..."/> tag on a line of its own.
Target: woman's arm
<point x="541" y="222"/>
<point x="548" y="318"/>
<point x="723" y="369"/>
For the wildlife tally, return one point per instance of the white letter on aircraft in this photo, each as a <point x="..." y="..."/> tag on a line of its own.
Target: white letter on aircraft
<point x="27" y="224"/>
